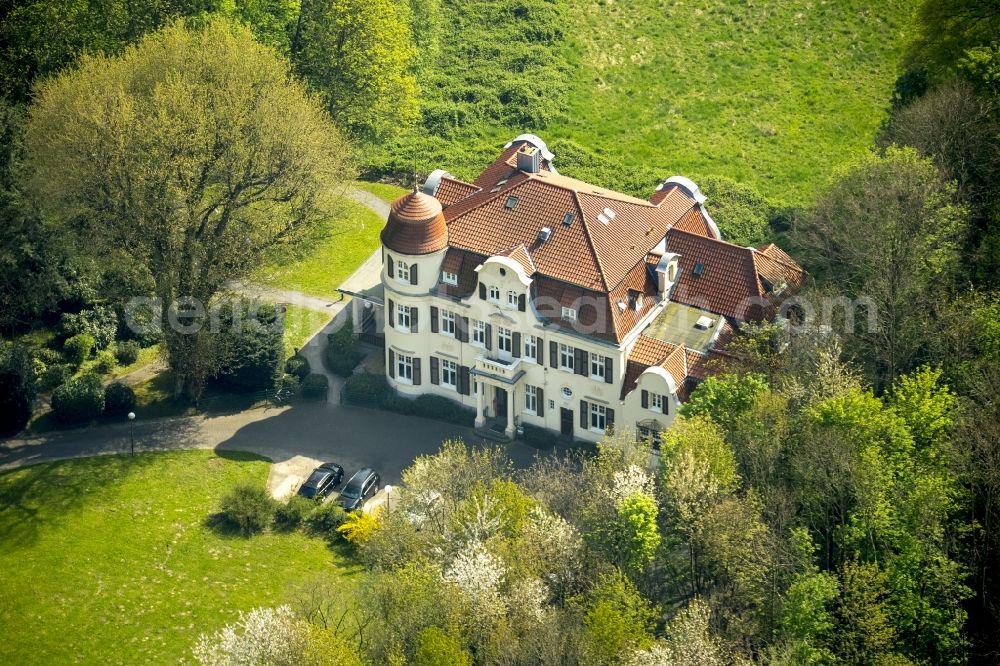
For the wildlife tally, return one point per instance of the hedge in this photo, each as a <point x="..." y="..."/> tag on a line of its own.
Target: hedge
<point x="538" y="437"/>
<point x="370" y="390"/>
<point x="341" y="355"/>
<point x="79" y="400"/>
<point x="316" y="386"/>
<point x="298" y="365"/>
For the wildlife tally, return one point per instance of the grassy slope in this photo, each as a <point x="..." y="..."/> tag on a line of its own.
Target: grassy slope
<point x="107" y="560"/>
<point x="319" y="264"/>
<point x="384" y="191"/>
<point x="772" y="93"/>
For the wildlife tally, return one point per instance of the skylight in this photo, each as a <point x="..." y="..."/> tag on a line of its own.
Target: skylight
<point x="511" y="202"/>
<point x="568" y="219"/>
<point x="698" y="269"/>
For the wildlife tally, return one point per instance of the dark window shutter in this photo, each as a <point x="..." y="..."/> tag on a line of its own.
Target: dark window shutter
<point x="391" y="265"/>
<point x="463" y="329"/>
<point x="540" y="350"/>
<point x="517" y="345"/>
<point x="463" y="380"/>
<point x="413" y="318"/>
<point x="482" y="291"/>
<point x="608" y="370"/>
<point x="540" y="392"/>
<point x="583" y="414"/>
<point x="489" y="337"/>
<point x="413" y="274"/>
<point x="609" y="418"/>
<point x="434" y="319"/>
<point x="434" y="370"/>
<point x="666" y="404"/>
<point x="392" y="364"/>
<point x="416" y="371"/>
<point x="392" y="314"/>
<point x="522" y="303"/>
<point x="554" y="354"/>
<point x="580" y="362"/>
<point x="645" y="399"/>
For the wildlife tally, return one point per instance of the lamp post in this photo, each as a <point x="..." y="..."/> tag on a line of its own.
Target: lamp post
<point x="131" y="432"/>
<point x="388" y="496"/>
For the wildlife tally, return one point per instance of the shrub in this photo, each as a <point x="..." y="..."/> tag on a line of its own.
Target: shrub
<point x="367" y="390"/>
<point x="370" y="390"/>
<point x="99" y="322"/>
<point x="441" y="408"/>
<point x="54" y="375"/>
<point x="106" y="362"/>
<point x="289" y="383"/>
<point x="293" y="513"/>
<point x="127" y="352"/>
<point x="48" y="356"/>
<point x="359" y="526"/>
<point x="540" y="438"/>
<point x="118" y="399"/>
<point x="326" y="518"/>
<point x="341" y="355"/>
<point x="79" y="400"/>
<point x="17" y="388"/>
<point x="78" y="348"/>
<point x="251" y="346"/>
<point x="248" y="509"/>
<point x="316" y="386"/>
<point x="298" y="365"/>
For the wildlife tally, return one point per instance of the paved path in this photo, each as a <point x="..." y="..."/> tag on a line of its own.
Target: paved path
<point x="368" y="199"/>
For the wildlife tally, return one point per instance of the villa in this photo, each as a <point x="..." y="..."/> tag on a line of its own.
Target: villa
<point x="542" y="300"/>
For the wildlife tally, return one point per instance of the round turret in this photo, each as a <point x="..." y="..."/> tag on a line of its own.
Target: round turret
<point x="416" y="225"/>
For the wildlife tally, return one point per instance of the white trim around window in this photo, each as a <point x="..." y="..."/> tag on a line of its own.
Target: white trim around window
<point x="505" y="337"/>
<point x="598" y="417"/>
<point x="656" y="402"/>
<point x="566" y="357"/>
<point x="402" y="318"/>
<point x="569" y="314"/>
<point x="447" y="277"/>
<point x="530" y="399"/>
<point x="596" y="366"/>
<point x="448" y="323"/>
<point x="531" y="348"/>
<point x="478" y="337"/>
<point x="511" y="298"/>
<point x="495" y="294"/>
<point x="402" y="271"/>
<point x="449" y="374"/>
<point x="404" y="369"/>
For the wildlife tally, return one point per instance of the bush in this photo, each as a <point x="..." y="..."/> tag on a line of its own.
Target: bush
<point x="127" y="352"/>
<point x="370" y="390"/>
<point x="325" y="520"/>
<point x="248" y="509"/>
<point x="316" y="386"/>
<point x="341" y="355"/>
<point x="79" y="400"/>
<point x="17" y="388"/>
<point x="55" y="375"/>
<point x="540" y="438"/>
<point x="48" y="356"/>
<point x="100" y="322"/>
<point x="251" y="346"/>
<point x="298" y="365"/>
<point x="118" y="399"/>
<point x="293" y="513"/>
<point x="78" y="348"/>
<point x="106" y="362"/>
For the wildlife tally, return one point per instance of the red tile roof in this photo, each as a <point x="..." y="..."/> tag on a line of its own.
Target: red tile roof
<point x="451" y="190"/>
<point x="415" y="225"/>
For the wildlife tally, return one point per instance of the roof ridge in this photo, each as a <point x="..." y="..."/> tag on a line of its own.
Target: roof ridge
<point x="590" y="240"/>
<point x="612" y="195"/>
<point x="779" y="260"/>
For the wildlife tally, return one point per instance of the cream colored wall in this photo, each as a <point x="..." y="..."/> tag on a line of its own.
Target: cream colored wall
<point x="654" y="380"/>
<point x="424" y="344"/>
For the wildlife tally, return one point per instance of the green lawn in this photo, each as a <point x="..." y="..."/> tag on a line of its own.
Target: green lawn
<point x="300" y="326"/>
<point x="384" y="191"/>
<point x="109" y="559"/>
<point x="319" y="264"/>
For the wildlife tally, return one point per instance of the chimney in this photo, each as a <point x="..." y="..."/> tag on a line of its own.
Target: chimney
<point x="528" y="158"/>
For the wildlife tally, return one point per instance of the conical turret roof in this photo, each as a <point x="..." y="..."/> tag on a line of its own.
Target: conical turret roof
<point x="416" y="225"/>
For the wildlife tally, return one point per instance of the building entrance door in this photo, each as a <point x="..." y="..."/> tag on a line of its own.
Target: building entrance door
<point x="500" y="397"/>
<point x="566" y="421"/>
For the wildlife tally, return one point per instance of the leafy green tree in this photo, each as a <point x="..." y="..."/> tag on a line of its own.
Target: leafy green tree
<point x="617" y="621"/>
<point x="358" y="54"/>
<point x="634" y="536"/>
<point x="948" y="29"/>
<point x="888" y="230"/>
<point x="741" y="212"/>
<point x="438" y="648"/>
<point x="725" y="398"/>
<point x="199" y="152"/>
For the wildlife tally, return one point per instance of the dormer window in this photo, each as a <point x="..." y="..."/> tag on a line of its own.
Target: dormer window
<point x="568" y="314"/>
<point x="495" y="294"/>
<point x="449" y="278"/>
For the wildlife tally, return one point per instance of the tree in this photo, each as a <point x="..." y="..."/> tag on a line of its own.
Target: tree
<point x="690" y="641"/>
<point x="437" y="648"/>
<point x="888" y="230"/>
<point x="359" y="55"/>
<point x="948" y="29"/>
<point x="17" y="388"/>
<point x="262" y="636"/>
<point x="724" y="399"/>
<point x="741" y="212"/>
<point x="617" y="621"/>
<point x="198" y="151"/>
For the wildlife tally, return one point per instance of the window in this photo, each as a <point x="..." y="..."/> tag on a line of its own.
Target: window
<point x="512" y="298"/>
<point x="449" y="374"/>
<point x="531" y="348"/>
<point x="531" y="399"/>
<point x="568" y="219"/>
<point x="402" y="272"/>
<point x="495" y="294"/>
<point x="698" y="269"/>
<point x="568" y="313"/>
<point x="402" y="317"/>
<point x="598" y="417"/>
<point x="597" y="366"/>
<point x="404" y="368"/>
<point x="449" y="278"/>
<point x="448" y="323"/>
<point x="656" y="402"/>
<point x="650" y="433"/>
<point x="504" y="340"/>
<point x="566" y="358"/>
<point x="479" y="333"/>
<point x="510" y="203"/>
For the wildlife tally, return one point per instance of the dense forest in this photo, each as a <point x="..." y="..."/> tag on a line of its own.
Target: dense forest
<point x="831" y="497"/>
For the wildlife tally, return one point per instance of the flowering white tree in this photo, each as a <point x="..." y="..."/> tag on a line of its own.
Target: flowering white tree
<point x="479" y="574"/>
<point x="271" y="636"/>
<point x="689" y="643"/>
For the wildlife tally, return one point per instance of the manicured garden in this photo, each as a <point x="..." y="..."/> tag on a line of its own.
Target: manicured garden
<point x="115" y="560"/>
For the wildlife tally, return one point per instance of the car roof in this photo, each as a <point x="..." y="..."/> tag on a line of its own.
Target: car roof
<point x="330" y="465"/>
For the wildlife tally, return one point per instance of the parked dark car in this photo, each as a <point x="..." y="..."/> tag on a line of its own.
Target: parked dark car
<point x="362" y="485"/>
<point x="322" y="481"/>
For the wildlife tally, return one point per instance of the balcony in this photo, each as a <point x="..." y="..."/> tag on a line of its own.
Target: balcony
<point x="506" y="371"/>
